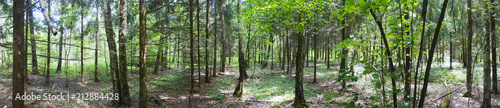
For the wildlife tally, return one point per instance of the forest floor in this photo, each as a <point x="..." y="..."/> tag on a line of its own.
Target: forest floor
<point x="264" y="88"/>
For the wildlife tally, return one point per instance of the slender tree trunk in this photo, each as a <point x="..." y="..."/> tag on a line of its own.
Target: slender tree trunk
<point x="96" y="44"/>
<point x="493" y="48"/>
<point x="142" y="57"/>
<point x="388" y="53"/>
<point x="81" y="42"/>
<point x="34" y="60"/>
<point x="112" y="48"/>
<point x="18" y="53"/>
<point x="215" y="42"/>
<point x="342" y="69"/>
<point x="299" y="101"/>
<point x="224" y="49"/>
<point x="238" y="91"/>
<point x="407" y="59"/>
<point x="199" y="45"/>
<point x="486" y="57"/>
<point x="315" y="52"/>
<point x="431" y="55"/>
<point x="422" y="43"/>
<point x="468" y="83"/>
<point x="191" y="49"/>
<point x="207" y="80"/>
<point x="124" y="94"/>
<point x="47" y="75"/>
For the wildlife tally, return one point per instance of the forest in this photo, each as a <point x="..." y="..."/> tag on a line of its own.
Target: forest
<point x="249" y="53"/>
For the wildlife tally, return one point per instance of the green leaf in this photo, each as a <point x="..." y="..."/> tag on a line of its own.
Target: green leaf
<point x="328" y="98"/>
<point x="375" y="76"/>
<point x="378" y="85"/>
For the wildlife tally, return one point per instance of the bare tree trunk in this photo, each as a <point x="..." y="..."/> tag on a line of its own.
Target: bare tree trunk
<point x="493" y="48"/>
<point x="96" y="79"/>
<point x="191" y="49"/>
<point x="142" y="57"/>
<point x="18" y="53"/>
<point x="431" y="54"/>
<point x="47" y="75"/>
<point x="112" y="49"/>
<point x="468" y="83"/>
<point x="207" y="80"/>
<point x="486" y="57"/>
<point x="34" y="61"/>
<point x="215" y="42"/>
<point x="299" y="101"/>
<point x="124" y="94"/>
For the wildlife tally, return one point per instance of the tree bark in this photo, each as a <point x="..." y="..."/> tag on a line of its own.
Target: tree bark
<point x="342" y="68"/>
<point x="34" y="61"/>
<point x="469" y="76"/>
<point x="191" y="49"/>
<point x="19" y="52"/>
<point x="431" y="55"/>
<point x="215" y="42"/>
<point x="96" y="79"/>
<point x="142" y="57"/>
<point x="112" y="48"/>
<point x="207" y="80"/>
<point x="124" y="94"/>
<point x="487" y="60"/>
<point x="493" y="48"/>
<point x="299" y="101"/>
<point x="47" y="75"/>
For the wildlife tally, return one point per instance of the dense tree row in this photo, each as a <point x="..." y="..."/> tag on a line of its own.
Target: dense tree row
<point x="396" y="40"/>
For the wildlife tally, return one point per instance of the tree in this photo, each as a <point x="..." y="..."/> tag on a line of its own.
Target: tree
<point x="342" y="68"/>
<point x="469" y="49"/>
<point x="431" y="55"/>
<point x="96" y="79"/>
<point x="387" y="53"/>
<point x="420" y="52"/>
<point x="191" y="50"/>
<point x="142" y="55"/>
<point x="113" y="62"/>
<point x="122" y="76"/>
<point x="47" y="75"/>
<point x="34" y="61"/>
<point x="206" y="43"/>
<point x="18" y="53"/>
<point x="493" y="48"/>
<point x="81" y="42"/>
<point x="241" y="60"/>
<point x="486" y="58"/>
<point x="299" y="101"/>
<point x="215" y="40"/>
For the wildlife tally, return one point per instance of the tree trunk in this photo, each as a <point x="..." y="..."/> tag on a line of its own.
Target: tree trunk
<point x="215" y="42"/>
<point x="431" y="54"/>
<point x="34" y="61"/>
<point x="142" y="57"/>
<point x="47" y="75"/>
<point x="238" y="91"/>
<point x="407" y="65"/>
<point x="469" y="50"/>
<point x="487" y="61"/>
<point x="388" y="53"/>
<point x="299" y="101"/>
<point x="96" y="44"/>
<point x="112" y="48"/>
<point x="342" y="68"/>
<point x="315" y="48"/>
<point x="18" y="53"/>
<point x="224" y="49"/>
<point x="199" y="45"/>
<point x="207" y="80"/>
<point x="493" y="48"/>
<point x="124" y="94"/>
<point x="191" y="49"/>
<point x="81" y="42"/>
